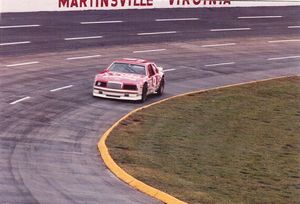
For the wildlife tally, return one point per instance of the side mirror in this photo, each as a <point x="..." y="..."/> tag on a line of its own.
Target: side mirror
<point x="103" y="71"/>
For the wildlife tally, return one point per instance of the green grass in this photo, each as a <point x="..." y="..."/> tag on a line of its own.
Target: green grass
<point x="235" y="145"/>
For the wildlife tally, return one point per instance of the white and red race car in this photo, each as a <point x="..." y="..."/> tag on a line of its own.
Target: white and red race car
<point x="129" y="79"/>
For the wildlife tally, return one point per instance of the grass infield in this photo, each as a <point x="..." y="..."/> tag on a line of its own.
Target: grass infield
<point x="233" y="145"/>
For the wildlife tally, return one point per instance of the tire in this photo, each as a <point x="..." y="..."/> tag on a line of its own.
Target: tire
<point x="144" y="93"/>
<point x="161" y="87"/>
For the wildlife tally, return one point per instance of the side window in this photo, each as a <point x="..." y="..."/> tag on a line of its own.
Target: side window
<point x="150" y="70"/>
<point x="155" y="68"/>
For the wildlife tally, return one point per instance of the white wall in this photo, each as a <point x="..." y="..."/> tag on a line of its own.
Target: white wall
<point x="52" y="5"/>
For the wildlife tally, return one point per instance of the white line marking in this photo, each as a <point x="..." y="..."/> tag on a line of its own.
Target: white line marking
<point x="61" y="88"/>
<point x="158" y="33"/>
<point x="257" y="17"/>
<point x="142" y="51"/>
<point x="22" y="99"/>
<point x="293" y="26"/>
<point x="230" y="29"/>
<point x="100" y="22"/>
<point x="65" y="152"/>
<point x="176" y="19"/>
<point x="19" y="26"/>
<point x="169" y="70"/>
<point x="278" y="41"/>
<point x="83" y="57"/>
<point x="281" y="58"/>
<point x="15" y="43"/>
<point x="84" y="38"/>
<point x="219" y="45"/>
<point x="219" y="64"/>
<point x="21" y="64"/>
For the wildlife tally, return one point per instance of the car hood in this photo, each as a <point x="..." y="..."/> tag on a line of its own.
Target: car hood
<point x="120" y="77"/>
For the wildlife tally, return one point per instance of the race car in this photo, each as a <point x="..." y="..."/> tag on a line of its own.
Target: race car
<point x="129" y="79"/>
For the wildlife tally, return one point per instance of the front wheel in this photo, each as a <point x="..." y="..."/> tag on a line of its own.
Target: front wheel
<point x="161" y="87"/>
<point x="144" y="93"/>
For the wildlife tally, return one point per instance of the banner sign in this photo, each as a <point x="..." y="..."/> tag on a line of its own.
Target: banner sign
<point x="76" y="5"/>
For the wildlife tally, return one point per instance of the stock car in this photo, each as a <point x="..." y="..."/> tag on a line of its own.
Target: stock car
<point x="129" y="79"/>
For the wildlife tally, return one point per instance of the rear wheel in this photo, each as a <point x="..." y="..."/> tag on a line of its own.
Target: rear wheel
<point x="161" y="87"/>
<point x="144" y="93"/>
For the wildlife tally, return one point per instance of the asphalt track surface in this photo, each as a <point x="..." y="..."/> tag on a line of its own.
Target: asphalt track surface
<point x="50" y="123"/>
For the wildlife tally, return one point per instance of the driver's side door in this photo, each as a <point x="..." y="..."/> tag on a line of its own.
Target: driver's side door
<point x="152" y="81"/>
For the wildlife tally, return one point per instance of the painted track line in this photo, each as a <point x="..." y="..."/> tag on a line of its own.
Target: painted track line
<point x="175" y="19"/>
<point x="66" y="152"/>
<point x="218" y="45"/>
<point x="229" y="29"/>
<point x="143" y="51"/>
<point x="169" y="70"/>
<point x="219" y="64"/>
<point x="83" y="57"/>
<point x="84" y="38"/>
<point x="282" y="58"/>
<point x="15" y="43"/>
<point x="293" y="26"/>
<point x="21" y="64"/>
<point x="258" y="17"/>
<point x="100" y="22"/>
<point x="158" y="33"/>
<point x="20" y="100"/>
<point x="19" y="26"/>
<point x="279" y="41"/>
<point x="61" y="88"/>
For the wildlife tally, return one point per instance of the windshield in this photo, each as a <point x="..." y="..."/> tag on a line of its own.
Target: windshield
<point x="128" y="68"/>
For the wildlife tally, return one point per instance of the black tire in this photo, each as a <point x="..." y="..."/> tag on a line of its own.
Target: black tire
<point x="144" y="93"/>
<point x="161" y="87"/>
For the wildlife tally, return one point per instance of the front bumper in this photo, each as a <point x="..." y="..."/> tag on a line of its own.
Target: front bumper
<point x="116" y="94"/>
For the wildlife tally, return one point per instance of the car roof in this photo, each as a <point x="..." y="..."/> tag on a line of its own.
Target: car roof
<point x="133" y="61"/>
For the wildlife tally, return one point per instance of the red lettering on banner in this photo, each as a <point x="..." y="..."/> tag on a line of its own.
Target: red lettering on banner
<point x="136" y="3"/>
<point x="74" y="3"/>
<point x="83" y="3"/>
<point x="186" y="1"/>
<point x="197" y="2"/>
<point x="64" y="3"/>
<point x="143" y="3"/>
<point x="114" y="3"/>
<point x="104" y="3"/>
<point x="122" y="3"/>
